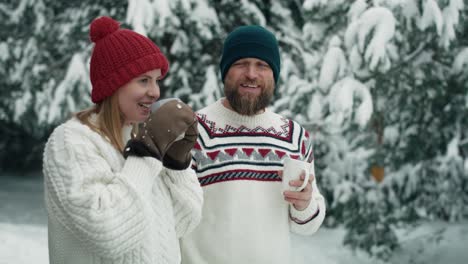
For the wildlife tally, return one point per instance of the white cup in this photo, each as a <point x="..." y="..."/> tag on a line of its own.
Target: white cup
<point x="292" y="169"/>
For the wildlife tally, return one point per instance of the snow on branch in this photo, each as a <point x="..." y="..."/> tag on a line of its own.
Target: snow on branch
<point x="431" y="15"/>
<point x="142" y="13"/>
<point x="18" y="13"/>
<point x="356" y="9"/>
<point x="444" y="20"/>
<point x="460" y="62"/>
<point x="333" y="66"/>
<point x="139" y="15"/>
<point x="311" y="4"/>
<point x="210" y="91"/>
<point x="410" y="11"/>
<point x="255" y="11"/>
<point x="451" y="19"/>
<point x="371" y="33"/>
<point x="205" y="17"/>
<point x="341" y="100"/>
<point x="76" y="73"/>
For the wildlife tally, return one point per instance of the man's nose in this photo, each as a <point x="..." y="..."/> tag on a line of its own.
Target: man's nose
<point x="251" y="72"/>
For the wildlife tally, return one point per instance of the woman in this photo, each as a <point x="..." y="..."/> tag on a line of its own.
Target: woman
<point x="112" y="199"/>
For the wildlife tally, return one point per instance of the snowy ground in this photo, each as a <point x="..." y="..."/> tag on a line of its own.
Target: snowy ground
<point x="23" y="235"/>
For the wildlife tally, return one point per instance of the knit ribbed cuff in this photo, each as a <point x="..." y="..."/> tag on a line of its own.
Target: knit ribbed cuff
<point x="306" y="215"/>
<point x="182" y="176"/>
<point x="141" y="172"/>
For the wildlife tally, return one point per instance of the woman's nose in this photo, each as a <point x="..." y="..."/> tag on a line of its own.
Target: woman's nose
<point x="154" y="91"/>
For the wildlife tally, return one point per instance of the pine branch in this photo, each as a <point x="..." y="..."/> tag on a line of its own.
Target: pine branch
<point x="463" y="142"/>
<point x="409" y="57"/>
<point x="416" y="52"/>
<point x="300" y="9"/>
<point x="4" y="9"/>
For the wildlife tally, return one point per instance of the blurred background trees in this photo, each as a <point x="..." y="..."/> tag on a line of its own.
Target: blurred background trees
<point x="381" y="85"/>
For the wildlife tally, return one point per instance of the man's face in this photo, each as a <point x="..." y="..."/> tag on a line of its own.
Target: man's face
<point x="249" y="85"/>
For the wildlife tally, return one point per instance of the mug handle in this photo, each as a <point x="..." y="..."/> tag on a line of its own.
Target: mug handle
<point x="306" y="180"/>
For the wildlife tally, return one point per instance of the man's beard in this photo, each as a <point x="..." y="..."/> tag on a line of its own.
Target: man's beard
<point x="248" y="104"/>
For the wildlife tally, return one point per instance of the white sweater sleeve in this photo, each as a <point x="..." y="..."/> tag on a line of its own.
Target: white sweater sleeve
<point x="187" y="198"/>
<point x="103" y="208"/>
<point x="309" y="220"/>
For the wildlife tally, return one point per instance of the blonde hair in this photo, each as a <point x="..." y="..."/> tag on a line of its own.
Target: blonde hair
<point x="110" y="120"/>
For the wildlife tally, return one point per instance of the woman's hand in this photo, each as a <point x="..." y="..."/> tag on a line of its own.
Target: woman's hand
<point x="169" y="134"/>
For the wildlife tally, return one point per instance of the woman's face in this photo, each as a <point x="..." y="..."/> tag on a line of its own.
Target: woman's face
<point x="135" y="97"/>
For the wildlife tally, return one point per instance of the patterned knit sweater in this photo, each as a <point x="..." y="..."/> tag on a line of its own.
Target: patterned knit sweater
<point x="105" y="209"/>
<point x="245" y="218"/>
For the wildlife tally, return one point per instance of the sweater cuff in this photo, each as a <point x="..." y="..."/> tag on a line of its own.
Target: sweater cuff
<point x="141" y="171"/>
<point x="306" y="215"/>
<point x="181" y="176"/>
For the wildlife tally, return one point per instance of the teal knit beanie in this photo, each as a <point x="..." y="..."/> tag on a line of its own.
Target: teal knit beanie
<point x="250" y="42"/>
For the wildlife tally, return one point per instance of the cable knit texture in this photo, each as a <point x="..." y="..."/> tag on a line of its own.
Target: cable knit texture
<point x="245" y="217"/>
<point x="105" y="209"/>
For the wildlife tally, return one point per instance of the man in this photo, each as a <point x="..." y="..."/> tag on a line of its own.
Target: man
<point x="238" y="158"/>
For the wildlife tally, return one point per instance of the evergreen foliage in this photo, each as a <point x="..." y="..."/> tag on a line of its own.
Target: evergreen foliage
<point x="379" y="84"/>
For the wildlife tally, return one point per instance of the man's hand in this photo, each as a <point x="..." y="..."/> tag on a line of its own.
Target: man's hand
<point x="299" y="199"/>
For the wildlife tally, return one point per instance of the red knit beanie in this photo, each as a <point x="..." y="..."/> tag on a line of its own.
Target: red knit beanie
<point x="119" y="55"/>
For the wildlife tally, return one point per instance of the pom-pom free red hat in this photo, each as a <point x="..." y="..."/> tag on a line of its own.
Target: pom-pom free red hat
<point x="119" y="55"/>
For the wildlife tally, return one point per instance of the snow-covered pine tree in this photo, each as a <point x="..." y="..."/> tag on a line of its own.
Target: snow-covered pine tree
<point x="402" y="52"/>
<point x="194" y="54"/>
<point x="425" y="114"/>
<point x="376" y="82"/>
<point x="43" y="46"/>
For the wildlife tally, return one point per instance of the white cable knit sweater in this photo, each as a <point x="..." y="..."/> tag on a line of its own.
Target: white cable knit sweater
<point x="105" y="209"/>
